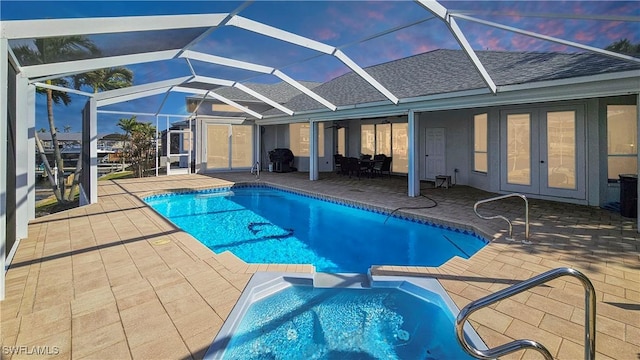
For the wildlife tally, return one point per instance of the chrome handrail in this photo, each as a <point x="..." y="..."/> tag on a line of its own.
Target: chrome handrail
<point x="526" y="214"/>
<point x="590" y="317"/>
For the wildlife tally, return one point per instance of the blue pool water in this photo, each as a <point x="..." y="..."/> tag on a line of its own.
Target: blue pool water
<point x="303" y="322"/>
<point x="266" y="225"/>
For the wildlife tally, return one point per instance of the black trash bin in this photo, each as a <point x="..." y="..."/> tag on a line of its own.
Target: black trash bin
<point x="629" y="195"/>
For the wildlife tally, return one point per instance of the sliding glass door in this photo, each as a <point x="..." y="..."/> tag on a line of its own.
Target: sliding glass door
<point x="228" y="146"/>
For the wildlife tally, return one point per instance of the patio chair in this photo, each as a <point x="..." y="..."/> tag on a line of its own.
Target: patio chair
<point x="337" y="163"/>
<point x="381" y="166"/>
<point x="354" y="167"/>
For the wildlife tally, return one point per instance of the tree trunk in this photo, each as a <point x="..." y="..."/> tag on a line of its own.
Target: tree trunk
<point x="47" y="169"/>
<point x="76" y="178"/>
<point x="54" y="138"/>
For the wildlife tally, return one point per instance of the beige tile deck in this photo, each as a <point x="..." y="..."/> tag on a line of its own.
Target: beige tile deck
<point x="114" y="280"/>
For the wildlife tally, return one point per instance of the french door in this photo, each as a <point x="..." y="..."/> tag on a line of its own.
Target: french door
<point x="543" y="151"/>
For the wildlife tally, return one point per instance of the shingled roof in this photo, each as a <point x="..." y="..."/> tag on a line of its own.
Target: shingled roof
<point x="280" y="92"/>
<point x="445" y="71"/>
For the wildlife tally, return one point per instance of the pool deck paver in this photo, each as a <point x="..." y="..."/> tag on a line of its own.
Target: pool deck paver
<point x="114" y="280"/>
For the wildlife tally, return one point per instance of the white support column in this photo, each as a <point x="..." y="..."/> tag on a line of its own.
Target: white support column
<point x="4" y="64"/>
<point x="31" y="150"/>
<point x="313" y="151"/>
<point x="258" y="141"/>
<point x="414" y="149"/>
<point x="22" y="157"/>
<point x="90" y="152"/>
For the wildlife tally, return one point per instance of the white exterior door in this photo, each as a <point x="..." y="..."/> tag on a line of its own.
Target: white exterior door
<point x="435" y="153"/>
<point x="544" y="152"/>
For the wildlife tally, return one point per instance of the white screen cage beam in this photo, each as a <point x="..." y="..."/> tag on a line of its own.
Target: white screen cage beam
<point x="547" y="38"/>
<point x="213" y="59"/>
<point x="80" y="66"/>
<point x="141" y="88"/>
<point x="441" y="12"/>
<point x="26" y="29"/>
<point x="270" y="31"/>
<point x="63" y="89"/>
<point x="207" y="93"/>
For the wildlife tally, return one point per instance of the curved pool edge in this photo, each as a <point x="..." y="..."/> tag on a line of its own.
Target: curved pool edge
<point x="265" y="284"/>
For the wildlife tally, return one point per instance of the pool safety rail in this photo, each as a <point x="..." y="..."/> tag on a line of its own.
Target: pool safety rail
<point x="498" y="351"/>
<point x="526" y="215"/>
<point x="255" y="169"/>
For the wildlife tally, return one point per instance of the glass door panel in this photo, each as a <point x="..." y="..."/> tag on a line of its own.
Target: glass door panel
<point x="383" y="139"/>
<point x="400" y="145"/>
<point x="561" y="149"/>
<point x="367" y="139"/>
<point x="241" y="146"/>
<point x="519" y="149"/>
<point x="217" y="146"/>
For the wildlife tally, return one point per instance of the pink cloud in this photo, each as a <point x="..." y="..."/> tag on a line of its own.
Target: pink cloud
<point x="326" y="34"/>
<point x="551" y="28"/>
<point x="375" y="15"/>
<point x="583" y="36"/>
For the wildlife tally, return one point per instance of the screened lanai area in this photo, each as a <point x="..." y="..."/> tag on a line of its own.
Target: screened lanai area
<point x="444" y="88"/>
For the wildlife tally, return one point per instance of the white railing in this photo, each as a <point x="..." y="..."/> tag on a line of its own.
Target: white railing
<point x="526" y="215"/>
<point x="508" y="348"/>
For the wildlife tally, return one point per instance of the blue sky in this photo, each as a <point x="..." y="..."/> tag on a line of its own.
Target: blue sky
<point x="337" y="23"/>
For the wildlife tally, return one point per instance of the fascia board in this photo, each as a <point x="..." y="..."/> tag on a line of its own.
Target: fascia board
<point x="141" y="88"/>
<point x="27" y="29"/>
<point x="79" y="66"/>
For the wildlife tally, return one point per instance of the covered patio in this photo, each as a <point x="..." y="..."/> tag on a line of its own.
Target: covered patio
<point x="116" y="280"/>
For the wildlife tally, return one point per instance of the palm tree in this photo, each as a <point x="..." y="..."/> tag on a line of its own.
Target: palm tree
<point x="99" y="80"/>
<point x="128" y="126"/>
<point x="67" y="128"/>
<point x="49" y="50"/>
<point x="624" y="46"/>
<point x="104" y="79"/>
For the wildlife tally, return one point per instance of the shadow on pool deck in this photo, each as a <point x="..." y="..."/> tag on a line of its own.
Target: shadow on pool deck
<point x="115" y="280"/>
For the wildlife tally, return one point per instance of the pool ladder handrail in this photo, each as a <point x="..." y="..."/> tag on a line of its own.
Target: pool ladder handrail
<point x="526" y="214"/>
<point x="496" y="352"/>
<point x="255" y="169"/>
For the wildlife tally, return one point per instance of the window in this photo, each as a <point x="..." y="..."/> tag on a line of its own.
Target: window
<point x="622" y="140"/>
<point x="480" y="162"/>
<point x="299" y="139"/>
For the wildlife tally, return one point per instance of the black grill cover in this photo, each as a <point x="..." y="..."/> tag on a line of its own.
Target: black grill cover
<point x="281" y="155"/>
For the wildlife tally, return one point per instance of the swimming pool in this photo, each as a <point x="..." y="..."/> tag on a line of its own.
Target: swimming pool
<point x="268" y="225"/>
<point x="346" y="316"/>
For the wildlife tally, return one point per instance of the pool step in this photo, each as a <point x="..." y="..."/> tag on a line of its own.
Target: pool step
<point x="326" y="280"/>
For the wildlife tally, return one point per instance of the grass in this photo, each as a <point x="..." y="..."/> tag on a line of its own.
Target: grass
<point x="117" y="175"/>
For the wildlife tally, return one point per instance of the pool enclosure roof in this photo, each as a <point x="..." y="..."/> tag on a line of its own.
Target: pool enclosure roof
<point x="363" y="52"/>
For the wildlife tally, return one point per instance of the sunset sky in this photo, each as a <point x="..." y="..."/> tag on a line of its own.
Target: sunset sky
<point x="338" y="23"/>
